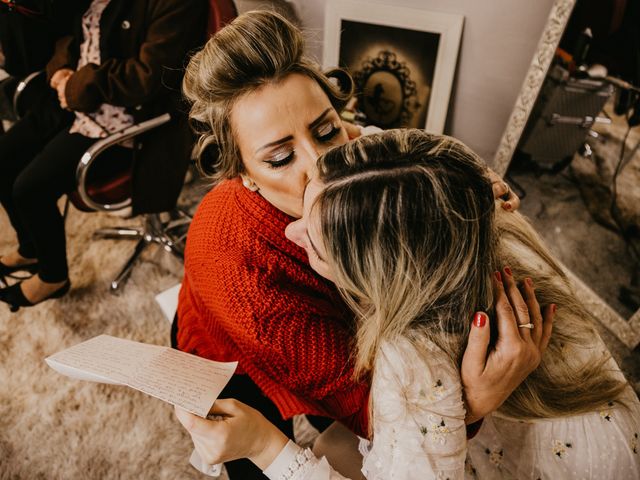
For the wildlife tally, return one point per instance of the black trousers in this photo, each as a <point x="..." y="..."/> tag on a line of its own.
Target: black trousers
<point x="38" y="160"/>
<point x="242" y="388"/>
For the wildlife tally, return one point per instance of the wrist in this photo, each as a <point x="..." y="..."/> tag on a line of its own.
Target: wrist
<point x="473" y="413"/>
<point x="484" y="406"/>
<point x="270" y="447"/>
<point x="471" y="419"/>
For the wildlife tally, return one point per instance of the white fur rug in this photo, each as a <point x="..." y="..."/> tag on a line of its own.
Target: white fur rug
<point x="53" y="427"/>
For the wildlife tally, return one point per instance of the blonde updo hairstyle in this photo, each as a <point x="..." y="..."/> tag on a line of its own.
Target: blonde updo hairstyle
<point x="256" y="49"/>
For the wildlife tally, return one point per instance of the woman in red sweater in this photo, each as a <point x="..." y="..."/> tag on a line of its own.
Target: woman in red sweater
<point x="265" y="113"/>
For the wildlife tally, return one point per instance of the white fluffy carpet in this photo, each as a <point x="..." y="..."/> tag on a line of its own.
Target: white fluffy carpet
<point x="53" y="427"/>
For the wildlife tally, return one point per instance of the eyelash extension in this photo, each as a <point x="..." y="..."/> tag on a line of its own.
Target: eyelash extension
<point x="329" y="136"/>
<point x="322" y="138"/>
<point x="281" y="163"/>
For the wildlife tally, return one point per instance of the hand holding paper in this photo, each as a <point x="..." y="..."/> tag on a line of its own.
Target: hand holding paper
<point x="181" y="379"/>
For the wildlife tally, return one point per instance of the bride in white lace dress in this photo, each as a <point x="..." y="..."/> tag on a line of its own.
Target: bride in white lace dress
<point x="404" y="223"/>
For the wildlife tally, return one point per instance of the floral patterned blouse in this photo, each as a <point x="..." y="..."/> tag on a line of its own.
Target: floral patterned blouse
<point x="107" y="119"/>
<point x="419" y="432"/>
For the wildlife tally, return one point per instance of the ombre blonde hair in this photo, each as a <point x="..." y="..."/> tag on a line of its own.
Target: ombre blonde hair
<point x="413" y="235"/>
<point x="257" y="48"/>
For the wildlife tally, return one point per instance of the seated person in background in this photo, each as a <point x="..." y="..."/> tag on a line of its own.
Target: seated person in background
<point x="28" y="33"/>
<point x="122" y="65"/>
<point x="405" y="224"/>
<point x="248" y="294"/>
<point x="29" y="30"/>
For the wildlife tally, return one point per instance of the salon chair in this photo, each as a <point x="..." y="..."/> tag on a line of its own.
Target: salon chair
<point x="166" y="229"/>
<point x="18" y="96"/>
<point x="114" y="193"/>
<point x="29" y="91"/>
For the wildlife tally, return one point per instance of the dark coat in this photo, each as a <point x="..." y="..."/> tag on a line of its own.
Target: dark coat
<point x="29" y="30"/>
<point x="27" y="39"/>
<point x="144" y="46"/>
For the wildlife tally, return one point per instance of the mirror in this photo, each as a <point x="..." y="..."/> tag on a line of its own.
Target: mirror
<point x="551" y="35"/>
<point x="562" y="152"/>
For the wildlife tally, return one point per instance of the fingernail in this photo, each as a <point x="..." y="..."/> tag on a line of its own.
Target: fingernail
<point x="553" y="308"/>
<point x="479" y="320"/>
<point x="498" y="276"/>
<point x="529" y="282"/>
<point x="507" y="270"/>
<point x="507" y="206"/>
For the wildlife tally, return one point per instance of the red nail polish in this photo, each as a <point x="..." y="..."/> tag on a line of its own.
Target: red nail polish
<point x="479" y="320"/>
<point x="507" y="270"/>
<point x="498" y="276"/>
<point x="553" y="308"/>
<point x="507" y="206"/>
<point x="529" y="282"/>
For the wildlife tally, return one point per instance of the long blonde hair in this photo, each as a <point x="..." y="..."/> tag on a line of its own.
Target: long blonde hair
<point x="256" y="49"/>
<point x="412" y="233"/>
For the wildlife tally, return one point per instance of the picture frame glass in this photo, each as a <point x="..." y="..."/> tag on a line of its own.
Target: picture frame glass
<point x="393" y="70"/>
<point x="403" y="60"/>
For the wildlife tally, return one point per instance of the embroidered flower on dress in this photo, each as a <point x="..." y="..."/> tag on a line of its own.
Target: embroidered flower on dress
<point x="394" y="439"/>
<point x="437" y="430"/>
<point x="495" y="456"/>
<point x="606" y="413"/>
<point x="435" y="391"/>
<point x="438" y="388"/>
<point x="560" y="448"/>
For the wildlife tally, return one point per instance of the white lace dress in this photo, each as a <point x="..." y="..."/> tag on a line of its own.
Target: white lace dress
<point x="419" y="433"/>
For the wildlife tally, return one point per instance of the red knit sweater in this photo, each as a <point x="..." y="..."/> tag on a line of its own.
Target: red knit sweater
<point x="249" y="295"/>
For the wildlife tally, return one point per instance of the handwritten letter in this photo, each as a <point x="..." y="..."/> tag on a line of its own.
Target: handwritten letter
<point x="178" y="378"/>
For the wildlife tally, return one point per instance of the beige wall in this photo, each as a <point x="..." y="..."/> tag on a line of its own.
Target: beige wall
<point x="498" y="42"/>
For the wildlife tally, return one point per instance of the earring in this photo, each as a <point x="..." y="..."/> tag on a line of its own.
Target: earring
<point x="249" y="184"/>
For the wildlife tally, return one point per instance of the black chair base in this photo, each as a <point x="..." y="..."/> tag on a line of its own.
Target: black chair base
<point x="169" y="230"/>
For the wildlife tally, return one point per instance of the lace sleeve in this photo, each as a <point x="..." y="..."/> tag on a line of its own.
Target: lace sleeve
<point x="296" y="463"/>
<point x="418" y="422"/>
<point x="418" y="415"/>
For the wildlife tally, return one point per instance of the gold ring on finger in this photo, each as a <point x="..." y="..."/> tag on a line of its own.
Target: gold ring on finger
<point x="526" y="325"/>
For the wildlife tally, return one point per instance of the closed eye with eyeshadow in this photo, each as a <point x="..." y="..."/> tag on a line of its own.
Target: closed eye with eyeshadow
<point x="283" y="156"/>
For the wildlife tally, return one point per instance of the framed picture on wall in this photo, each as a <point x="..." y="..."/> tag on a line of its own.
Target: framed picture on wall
<point x="402" y="60"/>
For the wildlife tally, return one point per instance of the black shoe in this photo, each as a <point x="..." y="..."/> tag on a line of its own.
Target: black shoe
<point x="7" y="271"/>
<point x="14" y="297"/>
